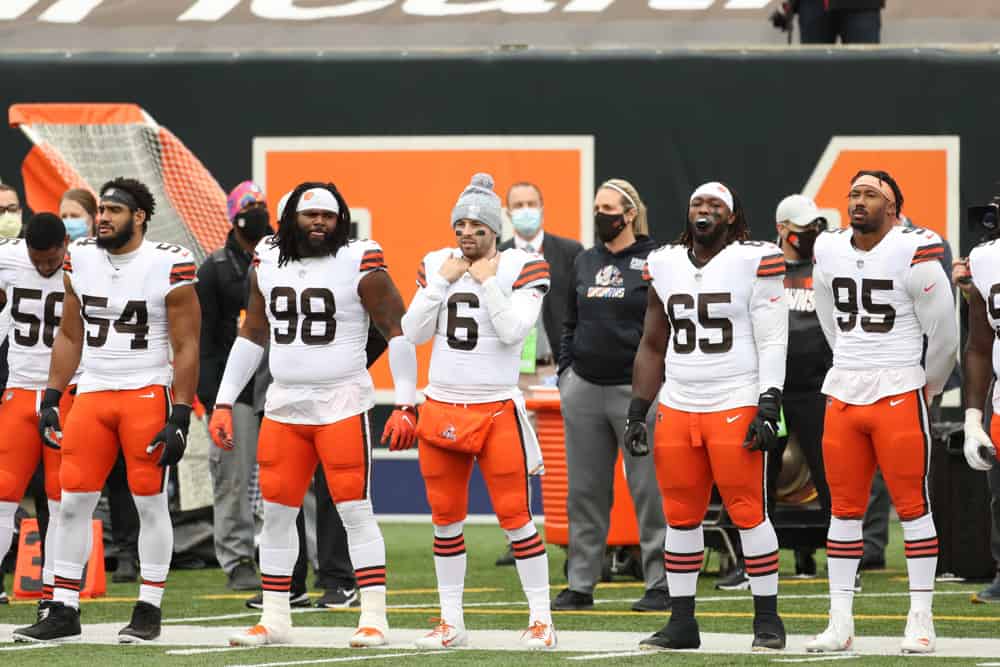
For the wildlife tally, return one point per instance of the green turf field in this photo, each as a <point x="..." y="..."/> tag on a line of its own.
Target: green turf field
<point x="494" y="602"/>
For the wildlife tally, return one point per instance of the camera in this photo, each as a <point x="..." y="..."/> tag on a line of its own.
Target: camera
<point x="781" y="18"/>
<point x="984" y="219"/>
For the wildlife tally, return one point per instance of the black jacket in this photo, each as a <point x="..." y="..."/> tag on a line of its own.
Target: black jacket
<point x="809" y="356"/>
<point x="222" y="290"/>
<point x="606" y="307"/>
<point x="559" y="252"/>
<point x="856" y="4"/>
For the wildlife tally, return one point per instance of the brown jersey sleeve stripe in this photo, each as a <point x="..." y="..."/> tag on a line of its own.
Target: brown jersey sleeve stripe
<point x="774" y="271"/>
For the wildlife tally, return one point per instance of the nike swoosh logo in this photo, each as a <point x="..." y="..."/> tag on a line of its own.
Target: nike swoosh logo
<point x="775" y="298"/>
<point x="893" y="404"/>
<point x="929" y="287"/>
<point x="730" y="420"/>
<point x="149" y="395"/>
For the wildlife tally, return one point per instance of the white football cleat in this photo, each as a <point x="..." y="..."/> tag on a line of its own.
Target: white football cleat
<point x="443" y="636"/>
<point x="838" y="636"/>
<point x="539" y="636"/>
<point x="367" y="636"/>
<point x="919" y="636"/>
<point x="261" y="635"/>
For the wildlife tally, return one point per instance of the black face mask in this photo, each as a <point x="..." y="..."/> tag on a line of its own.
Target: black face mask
<point x="254" y="224"/>
<point x="609" y="225"/>
<point x="803" y="242"/>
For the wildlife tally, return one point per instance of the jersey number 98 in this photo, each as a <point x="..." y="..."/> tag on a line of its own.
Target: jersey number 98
<point x="317" y="308"/>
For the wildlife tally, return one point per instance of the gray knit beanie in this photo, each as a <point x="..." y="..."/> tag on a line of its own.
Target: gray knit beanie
<point x="479" y="202"/>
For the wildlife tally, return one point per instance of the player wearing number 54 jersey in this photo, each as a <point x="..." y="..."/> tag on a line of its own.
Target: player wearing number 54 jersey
<point x="128" y="304"/>
<point x="880" y="290"/>
<point x="717" y="329"/>
<point x="312" y="293"/>
<point x="478" y="304"/>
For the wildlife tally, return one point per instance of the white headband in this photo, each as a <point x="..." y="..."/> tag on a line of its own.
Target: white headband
<point x="716" y="190"/>
<point x="611" y="185"/>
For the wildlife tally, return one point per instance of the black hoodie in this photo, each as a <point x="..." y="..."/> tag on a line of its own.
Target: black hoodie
<point x="606" y="307"/>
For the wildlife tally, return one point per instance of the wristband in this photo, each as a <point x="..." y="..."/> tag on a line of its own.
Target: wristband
<point x="638" y="409"/>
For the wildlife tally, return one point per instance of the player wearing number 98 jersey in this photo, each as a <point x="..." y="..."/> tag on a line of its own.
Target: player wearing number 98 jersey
<point x="478" y="304"/>
<point x="880" y="290"/>
<point x="128" y="304"/>
<point x="31" y="280"/>
<point x="312" y="293"/>
<point x="717" y="328"/>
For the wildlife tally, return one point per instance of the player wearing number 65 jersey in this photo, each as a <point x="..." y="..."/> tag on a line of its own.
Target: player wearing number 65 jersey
<point x="31" y="278"/>
<point x="478" y="304"/>
<point x="312" y="292"/>
<point x="880" y="290"/>
<point x="129" y="303"/>
<point x="716" y="329"/>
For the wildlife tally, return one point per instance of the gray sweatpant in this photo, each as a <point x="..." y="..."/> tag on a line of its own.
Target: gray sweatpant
<point x="594" y="417"/>
<point x="231" y="474"/>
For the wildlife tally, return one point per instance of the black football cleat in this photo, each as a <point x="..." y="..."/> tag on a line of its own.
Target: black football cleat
<point x="43" y="610"/>
<point x="768" y="633"/>
<point x="61" y="624"/>
<point x="144" y="626"/>
<point x="678" y="633"/>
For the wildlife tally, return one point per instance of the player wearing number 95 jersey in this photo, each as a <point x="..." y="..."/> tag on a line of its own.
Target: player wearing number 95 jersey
<point x="880" y="290"/>
<point x="478" y="304"/>
<point x="312" y="292"/>
<point x="716" y="329"/>
<point x="128" y="304"/>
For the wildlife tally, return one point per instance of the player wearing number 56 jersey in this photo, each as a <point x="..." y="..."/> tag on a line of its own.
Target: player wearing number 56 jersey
<point x="129" y="303"/>
<point x="312" y="293"/>
<point x="880" y="290"/>
<point x="31" y="278"/>
<point x="717" y="329"/>
<point x="478" y="304"/>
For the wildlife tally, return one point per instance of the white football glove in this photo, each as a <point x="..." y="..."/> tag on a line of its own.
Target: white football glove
<point x="976" y="440"/>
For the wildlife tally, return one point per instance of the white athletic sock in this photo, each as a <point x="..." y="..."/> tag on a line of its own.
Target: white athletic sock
<point x="7" y="510"/>
<point x="683" y="556"/>
<point x="844" y="548"/>
<point x="279" y="548"/>
<point x="365" y="544"/>
<point x="921" y="544"/>
<point x="450" y="561"/>
<point x="156" y="546"/>
<point x="760" y="555"/>
<point x="533" y="568"/>
<point x="75" y="512"/>
<point x="49" y="557"/>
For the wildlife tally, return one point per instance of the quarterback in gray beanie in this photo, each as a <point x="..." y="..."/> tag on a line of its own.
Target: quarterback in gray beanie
<point x="479" y="202"/>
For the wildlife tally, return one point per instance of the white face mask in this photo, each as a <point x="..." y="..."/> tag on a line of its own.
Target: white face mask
<point x="10" y="225"/>
<point x="526" y="220"/>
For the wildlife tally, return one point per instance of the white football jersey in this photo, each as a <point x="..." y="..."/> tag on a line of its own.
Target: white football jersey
<point x="468" y="358"/>
<point x="984" y="263"/>
<point x="877" y="331"/>
<point x="712" y="359"/>
<point x="126" y="342"/>
<point x="34" y="305"/>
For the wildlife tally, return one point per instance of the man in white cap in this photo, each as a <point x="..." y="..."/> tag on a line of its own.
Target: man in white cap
<point x="478" y="304"/>
<point x="312" y="292"/>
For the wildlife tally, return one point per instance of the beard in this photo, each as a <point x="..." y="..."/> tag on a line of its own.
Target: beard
<point x="311" y="247"/>
<point x="118" y="239"/>
<point x="711" y="235"/>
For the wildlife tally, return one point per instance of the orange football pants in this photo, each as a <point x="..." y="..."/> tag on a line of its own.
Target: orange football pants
<point x="693" y="450"/>
<point x="103" y="422"/>
<point x="892" y="433"/>
<point x="502" y="461"/>
<point x="21" y="445"/>
<point x="288" y="455"/>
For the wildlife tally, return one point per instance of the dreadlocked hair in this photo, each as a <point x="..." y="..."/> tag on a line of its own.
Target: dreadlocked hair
<point x="738" y="231"/>
<point x="284" y="238"/>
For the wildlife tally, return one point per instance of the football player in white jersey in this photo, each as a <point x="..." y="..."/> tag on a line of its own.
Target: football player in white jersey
<point x="478" y="304"/>
<point x="982" y="352"/>
<point x="880" y="290"/>
<point x="129" y="307"/>
<point x="313" y="292"/>
<point x="31" y="278"/>
<point x="717" y="330"/>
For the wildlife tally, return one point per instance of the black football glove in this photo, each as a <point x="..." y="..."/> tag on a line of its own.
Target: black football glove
<point x="48" y="419"/>
<point x="763" y="432"/>
<point x="636" y="434"/>
<point x="173" y="436"/>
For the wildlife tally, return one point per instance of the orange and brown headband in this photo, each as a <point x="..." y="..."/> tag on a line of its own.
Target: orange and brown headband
<point x="867" y="180"/>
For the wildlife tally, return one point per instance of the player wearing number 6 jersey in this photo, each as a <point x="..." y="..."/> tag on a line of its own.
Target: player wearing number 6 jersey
<point x="313" y="293"/>
<point x="478" y="304"/>
<point x="717" y="329"/>
<point x="129" y="303"/>
<point x="880" y="290"/>
<point x="31" y="278"/>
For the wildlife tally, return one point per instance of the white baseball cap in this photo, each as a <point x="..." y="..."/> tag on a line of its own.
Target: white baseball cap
<point x="798" y="210"/>
<point x="317" y="199"/>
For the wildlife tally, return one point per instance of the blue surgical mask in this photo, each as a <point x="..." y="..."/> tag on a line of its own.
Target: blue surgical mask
<point x="76" y="228"/>
<point x="526" y="221"/>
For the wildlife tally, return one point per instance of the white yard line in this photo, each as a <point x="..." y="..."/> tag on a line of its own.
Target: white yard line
<point x="825" y="658"/>
<point x="25" y="647"/>
<point x="323" y="661"/>
<point x="199" y="651"/>
<point x="608" y="656"/>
